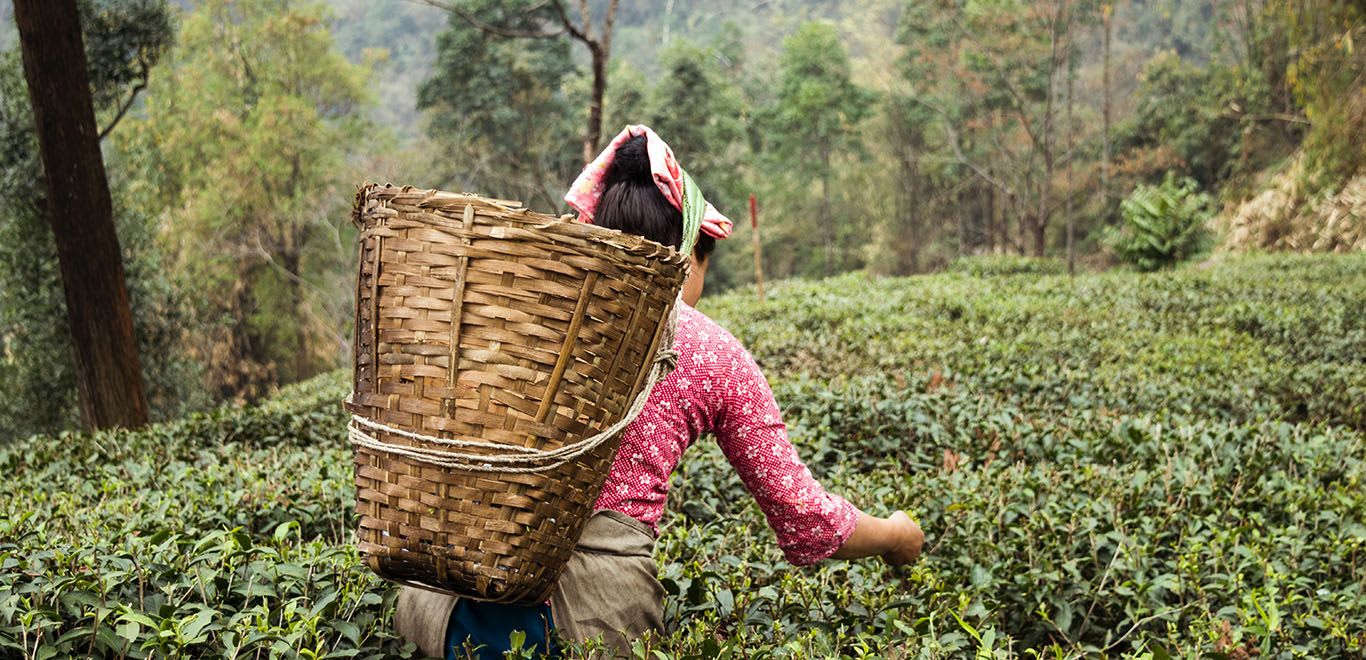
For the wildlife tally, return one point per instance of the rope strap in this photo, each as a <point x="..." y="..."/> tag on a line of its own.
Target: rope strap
<point x="517" y="459"/>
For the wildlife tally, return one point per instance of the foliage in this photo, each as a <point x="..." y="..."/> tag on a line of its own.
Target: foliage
<point x="482" y="91"/>
<point x="1189" y="110"/>
<point x="1112" y="463"/>
<point x="198" y="545"/>
<point x="1327" y="73"/>
<point x="1163" y="224"/>
<point x="702" y="111"/>
<point x="399" y="40"/>
<point x="985" y="84"/>
<point x="814" y="120"/>
<point x="123" y="41"/>
<point x="240" y="157"/>
<point x="704" y="114"/>
<point x="1000" y="265"/>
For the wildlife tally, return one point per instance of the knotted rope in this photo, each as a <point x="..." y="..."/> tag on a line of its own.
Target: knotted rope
<point x="520" y="459"/>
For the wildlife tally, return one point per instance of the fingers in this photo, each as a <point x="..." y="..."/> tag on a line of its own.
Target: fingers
<point x="909" y="542"/>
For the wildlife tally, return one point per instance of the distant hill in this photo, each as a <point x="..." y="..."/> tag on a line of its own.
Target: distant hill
<point x="407" y="30"/>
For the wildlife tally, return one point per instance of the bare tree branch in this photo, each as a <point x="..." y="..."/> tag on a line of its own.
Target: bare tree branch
<point x="1271" y="116"/>
<point x="958" y="149"/>
<point x="575" y="32"/>
<point x="607" y="26"/>
<point x="132" y="95"/>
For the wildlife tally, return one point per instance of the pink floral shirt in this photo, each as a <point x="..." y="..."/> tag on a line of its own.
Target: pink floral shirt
<point x="717" y="387"/>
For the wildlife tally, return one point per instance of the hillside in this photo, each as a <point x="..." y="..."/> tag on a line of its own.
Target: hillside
<point x="1285" y="216"/>
<point x="1117" y="463"/>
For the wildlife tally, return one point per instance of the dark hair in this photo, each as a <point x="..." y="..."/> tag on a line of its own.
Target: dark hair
<point x="631" y="202"/>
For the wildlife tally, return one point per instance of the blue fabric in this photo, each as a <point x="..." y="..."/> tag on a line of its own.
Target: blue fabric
<point x="491" y="624"/>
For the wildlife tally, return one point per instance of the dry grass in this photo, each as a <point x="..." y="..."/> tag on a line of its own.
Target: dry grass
<point x="1284" y="218"/>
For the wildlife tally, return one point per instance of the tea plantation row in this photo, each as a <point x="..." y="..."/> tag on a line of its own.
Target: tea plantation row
<point x="1160" y="465"/>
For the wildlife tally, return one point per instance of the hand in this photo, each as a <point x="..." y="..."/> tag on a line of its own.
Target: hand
<point x="907" y="542"/>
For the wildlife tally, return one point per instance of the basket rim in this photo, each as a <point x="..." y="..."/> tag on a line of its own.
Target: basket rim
<point x="631" y="243"/>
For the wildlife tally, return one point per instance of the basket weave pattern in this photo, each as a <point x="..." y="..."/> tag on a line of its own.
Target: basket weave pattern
<point x="476" y="320"/>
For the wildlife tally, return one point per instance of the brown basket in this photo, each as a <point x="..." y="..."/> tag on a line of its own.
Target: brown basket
<point x="491" y="342"/>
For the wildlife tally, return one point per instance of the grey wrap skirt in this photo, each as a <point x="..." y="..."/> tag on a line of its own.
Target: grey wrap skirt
<point x="610" y="588"/>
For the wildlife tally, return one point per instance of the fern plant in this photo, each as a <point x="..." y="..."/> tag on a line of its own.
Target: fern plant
<point x="1163" y="224"/>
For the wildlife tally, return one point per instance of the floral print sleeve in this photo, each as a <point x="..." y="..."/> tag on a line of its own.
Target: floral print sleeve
<point x="810" y="522"/>
<point x="717" y="387"/>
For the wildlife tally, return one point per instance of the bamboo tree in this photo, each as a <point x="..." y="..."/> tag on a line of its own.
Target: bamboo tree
<point x="245" y="135"/>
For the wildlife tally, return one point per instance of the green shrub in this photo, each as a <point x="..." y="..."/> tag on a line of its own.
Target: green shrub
<point x="1002" y="265"/>
<point x="1163" y="224"/>
<point x="1107" y="465"/>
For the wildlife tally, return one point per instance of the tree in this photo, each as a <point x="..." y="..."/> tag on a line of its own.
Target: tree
<point x="1187" y="111"/>
<point x="999" y="105"/>
<point x="700" y="112"/>
<point x="482" y="91"/>
<point x="108" y="374"/>
<point x="1326" y="74"/>
<point x="1163" y="224"/>
<point x="123" y="39"/>
<point x="1071" y="132"/>
<point x="244" y="141"/>
<point x="550" y="20"/>
<point x="815" y="117"/>
<point x="909" y="122"/>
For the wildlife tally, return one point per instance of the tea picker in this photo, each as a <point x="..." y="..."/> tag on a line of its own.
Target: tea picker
<point x="525" y="385"/>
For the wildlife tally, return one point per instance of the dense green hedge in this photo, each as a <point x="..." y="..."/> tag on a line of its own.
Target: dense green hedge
<point x="999" y="265"/>
<point x="1259" y="338"/>
<point x="1164" y="465"/>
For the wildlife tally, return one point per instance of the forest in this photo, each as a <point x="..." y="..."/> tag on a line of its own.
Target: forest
<point x="1078" y="283"/>
<point x="878" y="136"/>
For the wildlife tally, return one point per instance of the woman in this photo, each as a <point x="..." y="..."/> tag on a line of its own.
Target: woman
<point x="610" y="587"/>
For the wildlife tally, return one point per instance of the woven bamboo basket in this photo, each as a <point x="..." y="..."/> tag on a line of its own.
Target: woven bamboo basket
<point x="498" y="354"/>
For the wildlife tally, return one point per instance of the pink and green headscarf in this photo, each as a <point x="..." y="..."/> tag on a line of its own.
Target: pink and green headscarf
<point x="673" y="182"/>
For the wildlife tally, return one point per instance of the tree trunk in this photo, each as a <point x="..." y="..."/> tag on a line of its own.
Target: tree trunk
<point x="910" y="214"/>
<point x="1040" y="236"/>
<point x="1071" y="146"/>
<point x="826" y="228"/>
<point x="959" y="223"/>
<point x="1106" y="14"/>
<point x="600" y="49"/>
<point x="758" y="246"/>
<point x="108" y="374"/>
<point x="991" y="220"/>
<point x="1049" y="157"/>
<point x="594" y="134"/>
<point x="290" y="260"/>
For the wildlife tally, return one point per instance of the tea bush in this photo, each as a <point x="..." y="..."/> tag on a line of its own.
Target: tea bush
<point x="1118" y="464"/>
<point x="992" y="265"/>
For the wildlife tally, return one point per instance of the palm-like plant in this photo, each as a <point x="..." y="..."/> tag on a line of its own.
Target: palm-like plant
<point x="1163" y="224"/>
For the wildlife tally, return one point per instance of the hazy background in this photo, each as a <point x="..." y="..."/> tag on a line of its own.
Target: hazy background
<point x="888" y="136"/>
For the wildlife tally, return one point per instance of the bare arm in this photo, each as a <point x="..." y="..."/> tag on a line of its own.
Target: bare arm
<point x="896" y="538"/>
